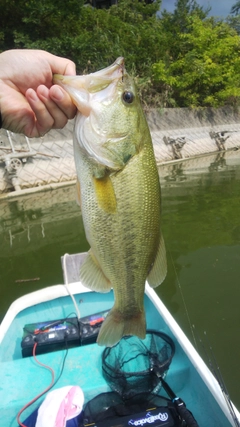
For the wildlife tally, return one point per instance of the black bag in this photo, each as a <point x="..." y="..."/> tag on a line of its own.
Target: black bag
<point x="110" y="410"/>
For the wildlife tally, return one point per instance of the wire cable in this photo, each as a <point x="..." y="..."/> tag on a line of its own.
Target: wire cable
<point x="65" y="274"/>
<point x="43" y="392"/>
<point x="53" y="383"/>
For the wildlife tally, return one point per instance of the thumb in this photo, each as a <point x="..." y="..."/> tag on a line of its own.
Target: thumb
<point x="62" y="65"/>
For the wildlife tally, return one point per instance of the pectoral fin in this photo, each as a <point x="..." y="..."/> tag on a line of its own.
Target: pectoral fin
<point x="105" y="194"/>
<point x="78" y="193"/>
<point x="159" y="269"/>
<point x="92" y="276"/>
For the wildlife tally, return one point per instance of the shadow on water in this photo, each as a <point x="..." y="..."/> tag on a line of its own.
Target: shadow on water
<point x="201" y="227"/>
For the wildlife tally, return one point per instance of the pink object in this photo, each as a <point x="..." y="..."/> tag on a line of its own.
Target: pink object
<point x="59" y="406"/>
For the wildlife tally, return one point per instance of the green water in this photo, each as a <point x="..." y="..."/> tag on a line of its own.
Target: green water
<point x="201" y="227"/>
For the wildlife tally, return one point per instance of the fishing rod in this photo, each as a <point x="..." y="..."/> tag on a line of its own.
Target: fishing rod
<point x="179" y="404"/>
<point x="215" y="369"/>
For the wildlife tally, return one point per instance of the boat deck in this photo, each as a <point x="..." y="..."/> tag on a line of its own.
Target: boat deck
<point x="21" y="379"/>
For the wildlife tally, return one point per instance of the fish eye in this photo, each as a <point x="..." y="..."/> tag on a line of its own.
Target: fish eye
<point x="128" y="97"/>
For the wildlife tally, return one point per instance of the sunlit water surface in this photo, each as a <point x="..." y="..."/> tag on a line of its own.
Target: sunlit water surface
<point x="201" y="227"/>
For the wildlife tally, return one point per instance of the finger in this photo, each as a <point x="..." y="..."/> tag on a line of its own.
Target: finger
<point x="17" y="114"/>
<point x="59" y="116"/>
<point x="63" y="100"/>
<point x="44" y="120"/>
<point x="70" y="69"/>
<point x="62" y="65"/>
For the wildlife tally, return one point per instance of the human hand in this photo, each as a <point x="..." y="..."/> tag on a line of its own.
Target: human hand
<point x="29" y="102"/>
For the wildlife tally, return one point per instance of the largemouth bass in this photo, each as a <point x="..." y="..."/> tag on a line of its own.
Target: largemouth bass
<point x="119" y="196"/>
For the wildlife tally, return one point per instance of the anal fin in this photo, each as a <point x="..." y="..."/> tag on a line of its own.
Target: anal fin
<point x="92" y="276"/>
<point x="159" y="269"/>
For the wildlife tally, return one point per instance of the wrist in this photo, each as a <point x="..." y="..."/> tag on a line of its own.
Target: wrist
<point x="1" y="102"/>
<point x="1" y="120"/>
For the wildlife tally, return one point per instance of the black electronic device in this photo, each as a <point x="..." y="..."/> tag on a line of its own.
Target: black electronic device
<point x="90" y="326"/>
<point x="50" y="336"/>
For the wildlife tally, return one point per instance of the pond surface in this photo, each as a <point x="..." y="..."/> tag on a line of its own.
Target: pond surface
<point x="201" y="227"/>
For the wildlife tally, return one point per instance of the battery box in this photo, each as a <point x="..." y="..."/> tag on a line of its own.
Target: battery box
<point x="90" y="326"/>
<point x="50" y="336"/>
<point x="60" y="334"/>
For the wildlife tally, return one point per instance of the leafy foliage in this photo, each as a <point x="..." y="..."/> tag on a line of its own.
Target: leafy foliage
<point x="91" y="37"/>
<point x="234" y="22"/>
<point x="178" y="59"/>
<point x="205" y="71"/>
<point x="236" y="8"/>
<point x="37" y="20"/>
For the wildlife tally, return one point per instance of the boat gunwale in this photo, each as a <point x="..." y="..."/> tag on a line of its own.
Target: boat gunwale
<point x="196" y="360"/>
<point x="37" y="297"/>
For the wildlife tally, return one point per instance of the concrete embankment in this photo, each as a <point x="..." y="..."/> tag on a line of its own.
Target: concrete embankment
<point x="176" y="133"/>
<point x="182" y="133"/>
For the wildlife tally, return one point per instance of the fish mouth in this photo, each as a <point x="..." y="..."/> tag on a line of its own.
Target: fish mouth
<point x="81" y="87"/>
<point x="109" y="74"/>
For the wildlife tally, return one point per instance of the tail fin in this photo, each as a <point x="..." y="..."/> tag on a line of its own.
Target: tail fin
<point x="115" y="326"/>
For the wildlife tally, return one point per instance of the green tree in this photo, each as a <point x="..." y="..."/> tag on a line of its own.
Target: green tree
<point x="178" y="19"/>
<point x="177" y="22"/>
<point x="195" y="58"/>
<point x="234" y="22"/>
<point x="206" y="71"/>
<point x="235" y="8"/>
<point x="34" y="20"/>
<point x="234" y="19"/>
<point x="91" y="37"/>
